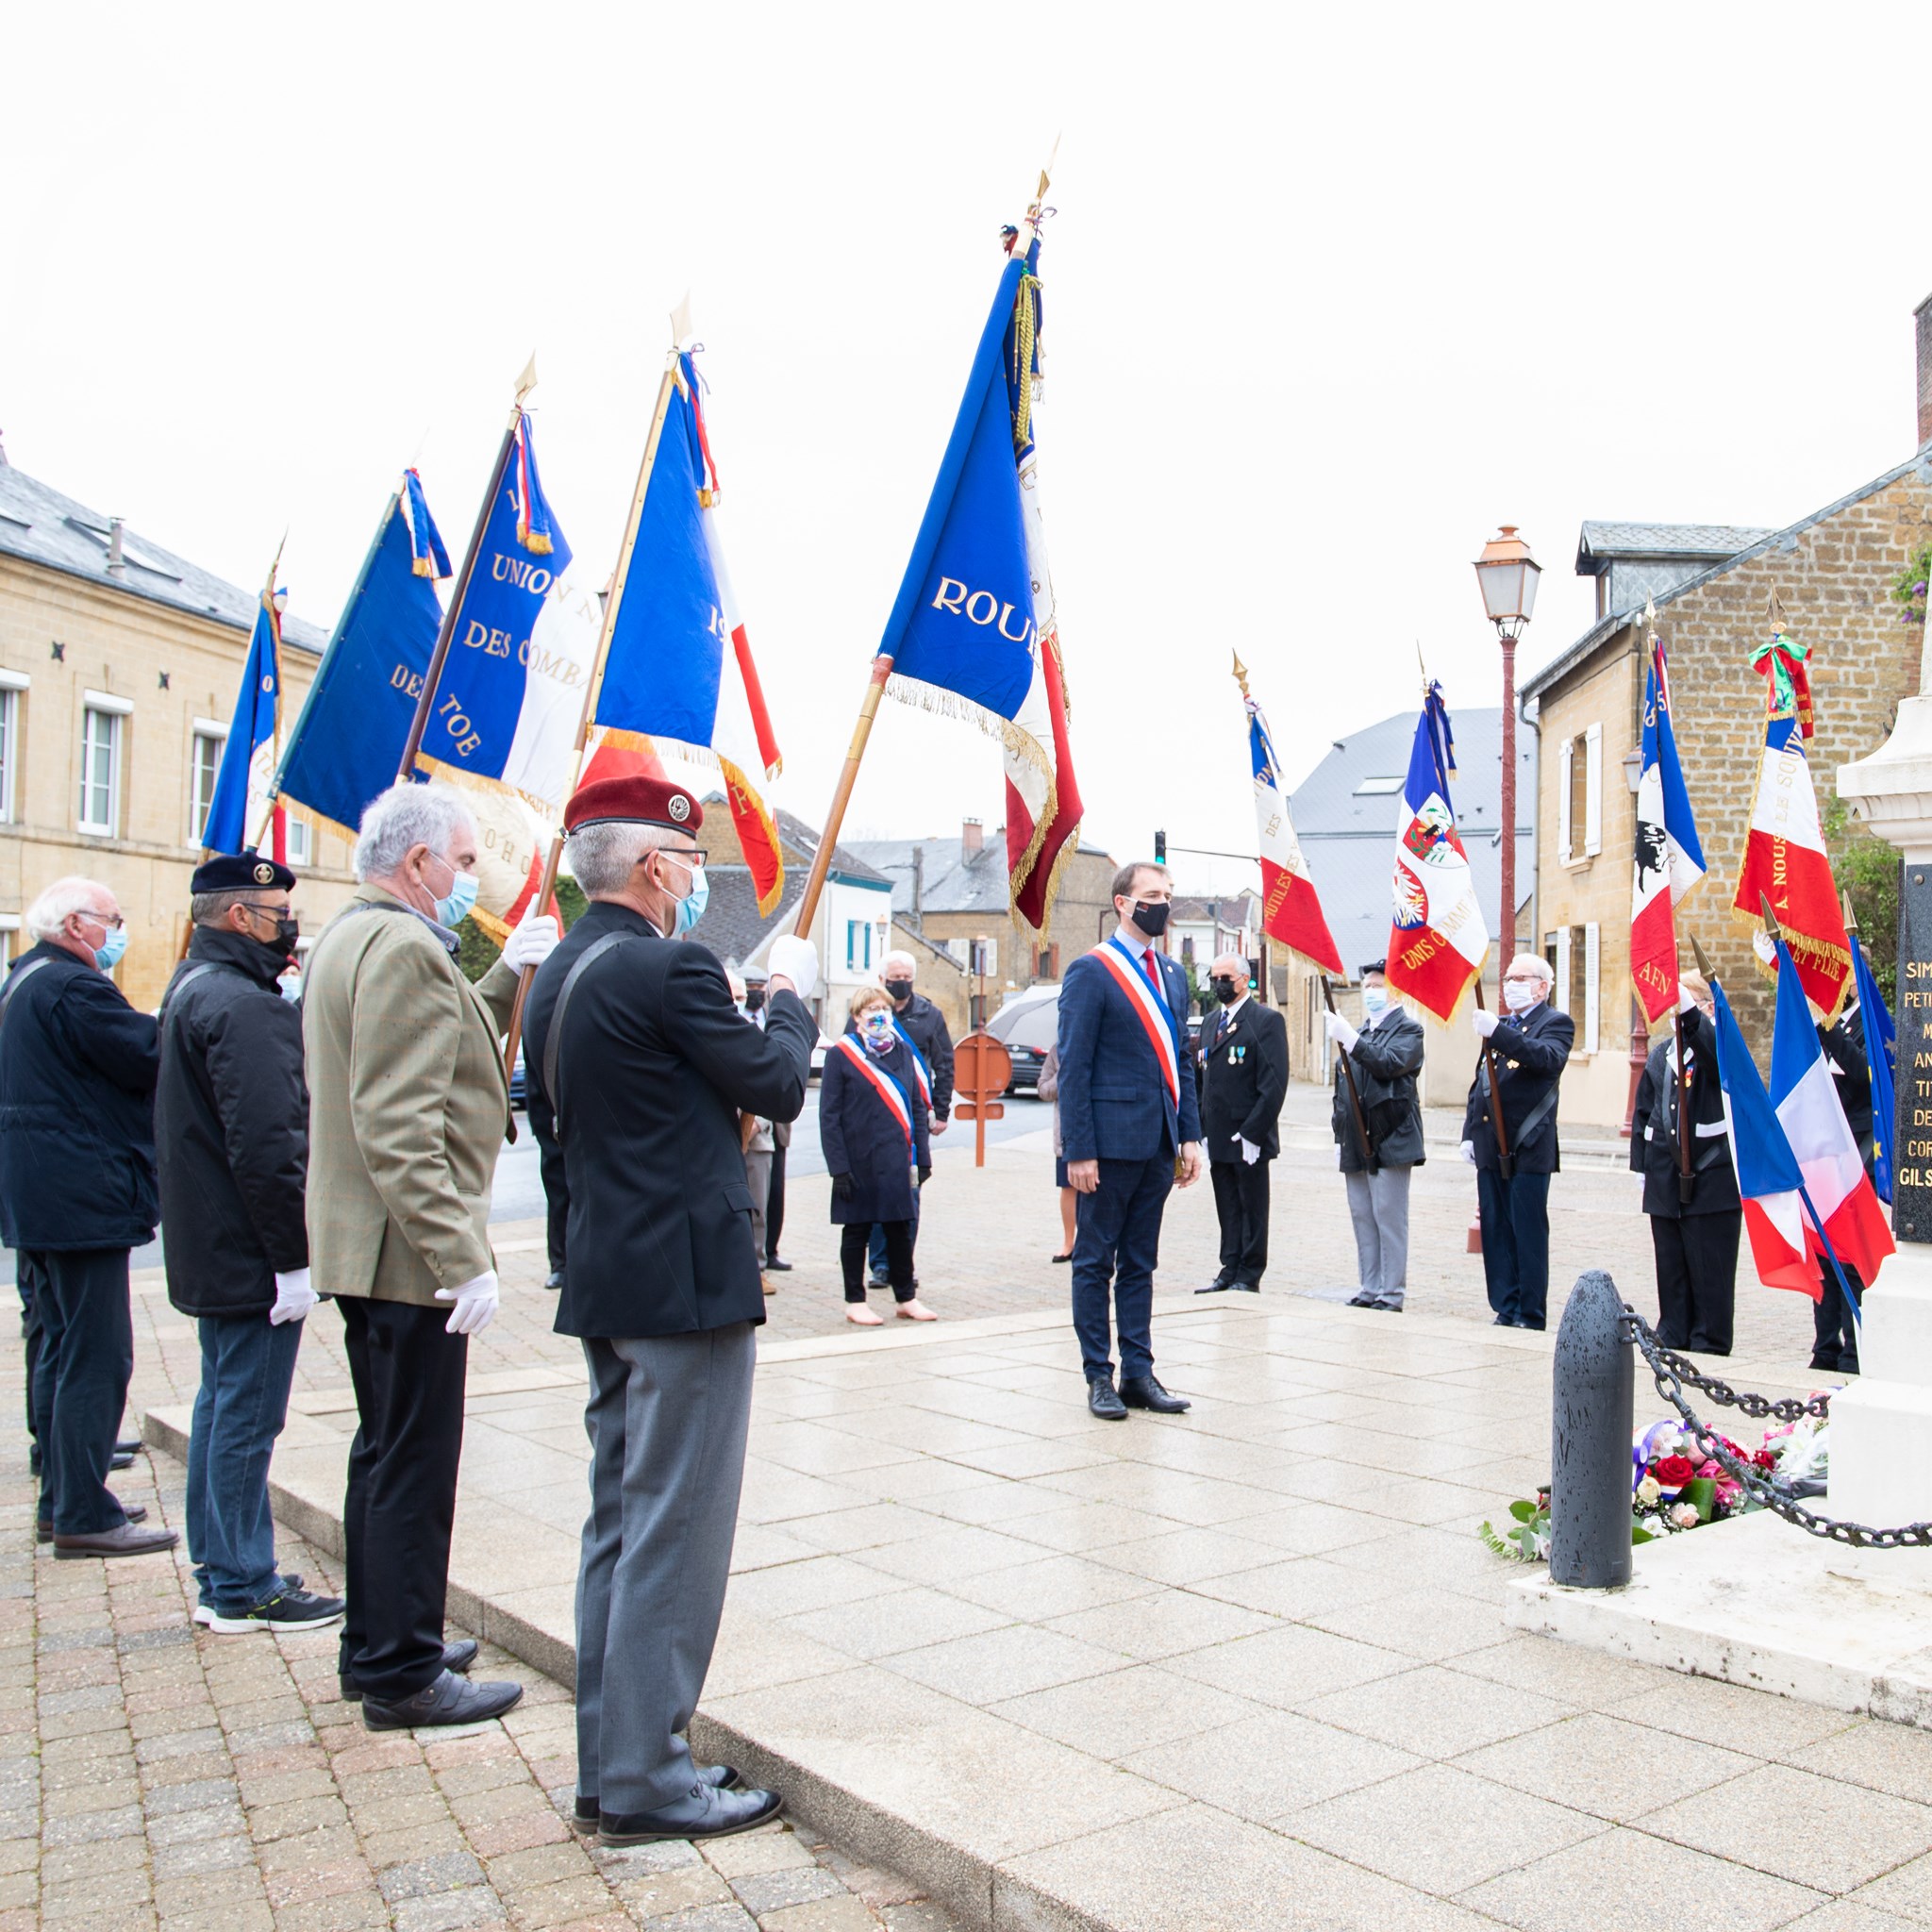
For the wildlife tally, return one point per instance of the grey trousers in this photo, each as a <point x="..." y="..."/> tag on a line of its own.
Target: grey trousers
<point x="757" y="1178"/>
<point x="1378" y="1206"/>
<point x="667" y="1419"/>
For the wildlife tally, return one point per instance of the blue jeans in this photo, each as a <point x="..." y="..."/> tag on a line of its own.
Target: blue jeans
<point x="1516" y="1243"/>
<point x="876" y="1257"/>
<point x="1115" y="1250"/>
<point x="80" y="1380"/>
<point x="246" y="1367"/>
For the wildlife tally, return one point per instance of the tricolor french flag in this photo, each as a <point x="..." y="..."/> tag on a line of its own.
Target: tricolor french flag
<point x="1290" y="909"/>
<point x="1670" y="859"/>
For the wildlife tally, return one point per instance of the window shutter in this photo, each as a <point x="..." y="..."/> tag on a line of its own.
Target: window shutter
<point x="1562" y="939"/>
<point x="1565" y="752"/>
<point x="1592" y="955"/>
<point x="1593" y="790"/>
<point x="1053" y="963"/>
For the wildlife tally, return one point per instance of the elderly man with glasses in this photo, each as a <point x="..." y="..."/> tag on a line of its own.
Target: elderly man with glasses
<point x="77" y="1192"/>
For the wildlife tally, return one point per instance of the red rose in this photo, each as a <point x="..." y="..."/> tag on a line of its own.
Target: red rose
<point x="1673" y="1471"/>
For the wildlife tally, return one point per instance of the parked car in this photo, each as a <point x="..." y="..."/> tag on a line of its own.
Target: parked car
<point x="1026" y="1030"/>
<point x="516" y="1079"/>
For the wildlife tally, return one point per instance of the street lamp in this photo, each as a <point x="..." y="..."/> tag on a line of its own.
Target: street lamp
<point x="1508" y="573"/>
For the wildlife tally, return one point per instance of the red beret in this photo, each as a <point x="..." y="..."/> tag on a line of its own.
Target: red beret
<point x="640" y="799"/>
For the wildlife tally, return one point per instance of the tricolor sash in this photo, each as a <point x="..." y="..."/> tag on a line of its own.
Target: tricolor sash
<point x="1149" y="1004"/>
<point x="882" y="1083"/>
<point x="920" y="1069"/>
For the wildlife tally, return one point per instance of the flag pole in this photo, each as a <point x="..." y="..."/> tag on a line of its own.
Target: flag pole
<point x="595" y="682"/>
<point x="1370" y="1159"/>
<point x="841" y="795"/>
<point x="439" y="656"/>
<point x="268" y="599"/>
<point x="1687" y="1178"/>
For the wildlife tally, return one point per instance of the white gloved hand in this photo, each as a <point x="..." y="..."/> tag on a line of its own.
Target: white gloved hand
<point x="1341" y="1032"/>
<point x="1484" y="1023"/>
<point x="795" y="959"/>
<point x="475" y="1305"/>
<point x="1686" y="1003"/>
<point x="294" y="1297"/>
<point x="532" y="942"/>
<point x="1469" y="1152"/>
<point x="1250" y="1153"/>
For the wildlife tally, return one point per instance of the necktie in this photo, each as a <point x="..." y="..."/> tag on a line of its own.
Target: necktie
<point x="1153" y="972"/>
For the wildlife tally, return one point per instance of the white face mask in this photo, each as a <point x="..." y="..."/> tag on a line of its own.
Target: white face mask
<point x="1518" y="995"/>
<point x="1374" y="998"/>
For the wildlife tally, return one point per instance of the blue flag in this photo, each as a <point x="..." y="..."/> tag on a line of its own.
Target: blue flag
<point x="248" y="758"/>
<point x="1766" y="1168"/>
<point x="504" y="711"/>
<point x="348" y="742"/>
<point x="1881" y="1055"/>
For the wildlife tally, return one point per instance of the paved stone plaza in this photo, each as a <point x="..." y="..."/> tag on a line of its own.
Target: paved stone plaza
<point x="1246" y="1668"/>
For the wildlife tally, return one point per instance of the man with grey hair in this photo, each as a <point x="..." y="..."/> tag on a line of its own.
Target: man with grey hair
<point x="1529" y="1046"/>
<point x="408" y="1103"/>
<point x="649" y="1067"/>
<point x="923" y="1026"/>
<point x="77" y="1192"/>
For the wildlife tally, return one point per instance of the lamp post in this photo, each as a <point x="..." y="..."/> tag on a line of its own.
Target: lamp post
<point x="1508" y="575"/>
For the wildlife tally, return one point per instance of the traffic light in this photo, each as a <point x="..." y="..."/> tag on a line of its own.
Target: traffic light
<point x="1161" y="848"/>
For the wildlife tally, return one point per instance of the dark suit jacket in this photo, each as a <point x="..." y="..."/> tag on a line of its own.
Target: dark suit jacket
<point x="1654" y="1129"/>
<point x="654" y="1065"/>
<point x="1114" y="1102"/>
<point x="1530" y="1054"/>
<point x="1386" y="1060"/>
<point x="1244" y="1079"/>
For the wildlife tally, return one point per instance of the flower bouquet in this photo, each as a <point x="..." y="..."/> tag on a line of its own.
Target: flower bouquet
<point x="1529" y="1540"/>
<point x="1676" y="1485"/>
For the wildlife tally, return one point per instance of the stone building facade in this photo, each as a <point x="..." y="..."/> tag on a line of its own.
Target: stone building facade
<point x="119" y="663"/>
<point x="1832" y="572"/>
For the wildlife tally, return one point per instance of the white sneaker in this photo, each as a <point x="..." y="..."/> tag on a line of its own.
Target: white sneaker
<point x="203" y="1614"/>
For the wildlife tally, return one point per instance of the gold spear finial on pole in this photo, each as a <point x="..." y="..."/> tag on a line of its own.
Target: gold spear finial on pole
<point x="1703" y="963"/>
<point x="1774" y="613"/>
<point x="1421" y="667"/>
<point x="527" y="380"/>
<point x="275" y="569"/>
<point x="1650" y="618"/>
<point x="1240" y="673"/>
<point x="1851" y="917"/>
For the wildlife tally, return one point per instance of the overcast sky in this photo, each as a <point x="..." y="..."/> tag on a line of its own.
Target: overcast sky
<point x="1330" y="294"/>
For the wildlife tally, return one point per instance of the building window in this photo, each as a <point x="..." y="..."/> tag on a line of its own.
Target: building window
<point x="1575" y="955"/>
<point x="1580" y="796"/>
<point x="9" y="751"/>
<point x="9" y="939"/>
<point x="204" y="766"/>
<point x="300" y="842"/>
<point x="100" y="772"/>
<point x="857" y="945"/>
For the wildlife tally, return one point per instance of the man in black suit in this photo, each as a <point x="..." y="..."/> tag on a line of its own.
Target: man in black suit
<point x="1530" y="1045"/>
<point x="646" y="1065"/>
<point x="1243" y="1056"/>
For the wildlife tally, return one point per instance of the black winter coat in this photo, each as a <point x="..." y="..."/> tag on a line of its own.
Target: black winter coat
<point x="1530" y="1052"/>
<point x="1844" y="1053"/>
<point x="1654" y="1130"/>
<point x="655" y="1065"/>
<point x="861" y="1135"/>
<point x="1386" y="1060"/>
<point x="1244" y="1076"/>
<point x="77" y="1109"/>
<point x="231" y="1121"/>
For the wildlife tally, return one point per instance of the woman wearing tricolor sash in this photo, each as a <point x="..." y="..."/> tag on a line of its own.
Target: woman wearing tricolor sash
<point x="872" y="1126"/>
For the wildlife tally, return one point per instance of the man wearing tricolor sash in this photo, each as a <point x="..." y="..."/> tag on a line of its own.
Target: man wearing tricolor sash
<point x="1130" y="1123"/>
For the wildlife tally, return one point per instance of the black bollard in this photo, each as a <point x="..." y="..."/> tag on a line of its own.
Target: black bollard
<point x="1590" y="1440"/>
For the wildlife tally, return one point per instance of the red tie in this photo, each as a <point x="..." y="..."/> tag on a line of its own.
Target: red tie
<point x="1152" y="973"/>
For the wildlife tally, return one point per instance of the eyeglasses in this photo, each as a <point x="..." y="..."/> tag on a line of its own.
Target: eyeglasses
<point x="692" y="855"/>
<point x="277" y="914"/>
<point x="100" y="919"/>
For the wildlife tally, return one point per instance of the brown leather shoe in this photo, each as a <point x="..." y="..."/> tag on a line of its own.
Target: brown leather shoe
<point x="125" y="1539"/>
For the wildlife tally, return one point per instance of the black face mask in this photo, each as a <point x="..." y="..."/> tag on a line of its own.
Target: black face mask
<point x="283" y="946"/>
<point x="1224" y="991"/>
<point x="754" y="998"/>
<point x="1152" y="919"/>
<point x="899" y="991"/>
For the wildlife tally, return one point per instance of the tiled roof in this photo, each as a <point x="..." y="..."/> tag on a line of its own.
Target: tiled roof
<point x="952" y="879"/>
<point x="41" y="526"/>
<point x="1599" y="543"/>
<point x="732" y="926"/>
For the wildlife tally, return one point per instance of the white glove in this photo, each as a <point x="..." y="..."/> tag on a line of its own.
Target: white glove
<point x="475" y="1305"/>
<point x="531" y="943"/>
<point x="1250" y="1153"/>
<point x="294" y="1297"/>
<point x="1686" y="1003"/>
<point x="1484" y="1023"/>
<point x="795" y="959"/>
<point x="1469" y="1152"/>
<point x="1341" y="1032"/>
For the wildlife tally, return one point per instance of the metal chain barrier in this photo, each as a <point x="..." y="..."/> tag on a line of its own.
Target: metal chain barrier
<point x="1671" y="1371"/>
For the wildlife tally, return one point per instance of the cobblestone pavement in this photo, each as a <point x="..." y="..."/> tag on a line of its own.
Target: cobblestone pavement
<point x="157" y="1775"/>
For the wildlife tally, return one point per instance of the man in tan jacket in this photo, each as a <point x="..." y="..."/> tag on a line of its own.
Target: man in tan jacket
<point x="407" y="1108"/>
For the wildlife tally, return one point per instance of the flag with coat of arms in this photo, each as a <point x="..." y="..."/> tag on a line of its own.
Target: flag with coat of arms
<point x="974" y="631"/>
<point x="1670" y="858"/>
<point x="1437" y="938"/>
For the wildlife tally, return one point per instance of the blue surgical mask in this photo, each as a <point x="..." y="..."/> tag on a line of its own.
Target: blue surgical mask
<point x="292" y="988"/>
<point x="1374" y="998"/>
<point x="454" y="909"/>
<point x="691" y="909"/>
<point x="109" y="956"/>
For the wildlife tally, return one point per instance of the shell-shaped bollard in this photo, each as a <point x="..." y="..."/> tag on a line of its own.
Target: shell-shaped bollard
<point x="1594" y="1379"/>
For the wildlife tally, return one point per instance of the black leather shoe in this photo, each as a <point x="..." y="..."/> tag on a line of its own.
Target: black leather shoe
<point x="721" y="1777"/>
<point x="553" y="1282"/>
<point x="1217" y="1285"/>
<point x="775" y="1265"/>
<point x="43" y="1530"/>
<point x="125" y="1539"/>
<point x="707" y="1812"/>
<point x="451" y="1700"/>
<point x="1104" y="1402"/>
<point x="1369" y="1298"/>
<point x="1246" y="1287"/>
<point x="127" y="1447"/>
<point x="121" y="1458"/>
<point x="1143" y="1392"/>
<point x="457" y="1657"/>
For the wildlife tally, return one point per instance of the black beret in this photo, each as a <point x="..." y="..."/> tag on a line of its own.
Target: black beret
<point x="1375" y="966"/>
<point x="242" y="872"/>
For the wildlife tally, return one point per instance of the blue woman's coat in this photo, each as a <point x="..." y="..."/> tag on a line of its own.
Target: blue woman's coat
<point x="862" y="1136"/>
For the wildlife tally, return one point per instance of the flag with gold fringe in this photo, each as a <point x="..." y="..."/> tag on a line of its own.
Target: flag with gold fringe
<point x="678" y="676"/>
<point x="973" y="632"/>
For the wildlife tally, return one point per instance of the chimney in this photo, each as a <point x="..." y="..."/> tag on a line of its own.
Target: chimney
<point x="1921" y="315"/>
<point x="116" y="565"/>
<point x="972" y="836"/>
